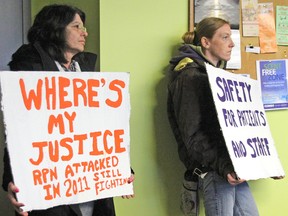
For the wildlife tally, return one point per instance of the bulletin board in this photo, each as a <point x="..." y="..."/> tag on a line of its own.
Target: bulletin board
<point x="248" y="60"/>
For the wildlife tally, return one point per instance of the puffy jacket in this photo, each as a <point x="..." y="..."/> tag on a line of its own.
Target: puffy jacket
<point x="192" y="114"/>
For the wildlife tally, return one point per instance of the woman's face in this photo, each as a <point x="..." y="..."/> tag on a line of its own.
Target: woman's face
<point x="219" y="47"/>
<point x="75" y="36"/>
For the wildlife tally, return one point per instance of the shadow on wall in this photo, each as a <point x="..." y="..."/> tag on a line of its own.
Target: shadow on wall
<point x="171" y="168"/>
<point x="5" y="207"/>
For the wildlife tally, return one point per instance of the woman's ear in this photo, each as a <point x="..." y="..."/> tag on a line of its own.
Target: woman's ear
<point x="205" y="42"/>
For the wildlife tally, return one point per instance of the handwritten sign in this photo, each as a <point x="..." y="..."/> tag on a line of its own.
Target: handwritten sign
<point x="68" y="135"/>
<point x="244" y="125"/>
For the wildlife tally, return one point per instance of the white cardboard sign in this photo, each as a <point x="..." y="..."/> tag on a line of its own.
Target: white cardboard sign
<point x="244" y="124"/>
<point x="68" y="135"/>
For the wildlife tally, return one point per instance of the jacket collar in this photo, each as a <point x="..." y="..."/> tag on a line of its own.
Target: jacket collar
<point x="86" y="60"/>
<point x="47" y="62"/>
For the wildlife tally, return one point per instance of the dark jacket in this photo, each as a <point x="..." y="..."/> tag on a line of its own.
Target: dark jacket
<point x="193" y="117"/>
<point x="34" y="58"/>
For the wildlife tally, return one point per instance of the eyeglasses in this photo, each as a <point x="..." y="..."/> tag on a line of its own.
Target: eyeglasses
<point x="80" y="27"/>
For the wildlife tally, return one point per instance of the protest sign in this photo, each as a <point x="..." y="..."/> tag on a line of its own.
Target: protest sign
<point x="68" y="135"/>
<point x="244" y="124"/>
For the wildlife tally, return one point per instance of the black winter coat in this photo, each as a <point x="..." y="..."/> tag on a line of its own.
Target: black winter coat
<point x="193" y="117"/>
<point x="34" y="58"/>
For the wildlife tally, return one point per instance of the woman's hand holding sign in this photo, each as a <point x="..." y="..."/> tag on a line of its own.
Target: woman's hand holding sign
<point x="130" y="180"/>
<point x="12" y="190"/>
<point x="233" y="179"/>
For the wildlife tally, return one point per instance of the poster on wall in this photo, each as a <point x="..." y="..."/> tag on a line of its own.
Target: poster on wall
<point x="267" y="29"/>
<point x="235" y="61"/>
<point x="282" y="25"/>
<point x="225" y="9"/>
<point x="272" y="76"/>
<point x="244" y="125"/>
<point x="68" y="135"/>
<point x="249" y="18"/>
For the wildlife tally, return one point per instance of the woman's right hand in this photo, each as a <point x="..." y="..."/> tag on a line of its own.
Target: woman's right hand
<point x="233" y="179"/>
<point x="12" y="190"/>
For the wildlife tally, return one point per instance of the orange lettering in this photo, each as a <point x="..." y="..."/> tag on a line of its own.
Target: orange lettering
<point x="63" y="83"/>
<point x="40" y="176"/>
<point x="94" y="136"/>
<point x="64" y="143"/>
<point x="55" y="190"/>
<point x="107" y="133"/>
<point x="91" y="94"/>
<point x="37" y="177"/>
<point x="70" y="118"/>
<point x="50" y="93"/>
<point x="80" y="138"/>
<point x="39" y="145"/>
<point x="114" y="86"/>
<point x="79" y="86"/>
<point x="34" y="97"/>
<point x="54" y="122"/>
<point x="118" y="141"/>
<point x="54" y="155"/>
<point x="69" y="171"/>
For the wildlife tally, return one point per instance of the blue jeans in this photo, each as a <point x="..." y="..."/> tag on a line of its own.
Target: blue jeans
<point x="223" y="199"/>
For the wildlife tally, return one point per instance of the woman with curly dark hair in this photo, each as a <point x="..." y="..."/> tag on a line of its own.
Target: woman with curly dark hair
<point x="56" y="43"/>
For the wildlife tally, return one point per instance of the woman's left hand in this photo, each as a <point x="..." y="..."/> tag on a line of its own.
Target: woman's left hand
<point x="130" y="180"/>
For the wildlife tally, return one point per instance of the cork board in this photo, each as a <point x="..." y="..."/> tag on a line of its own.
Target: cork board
<point x="248" y="60"/>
